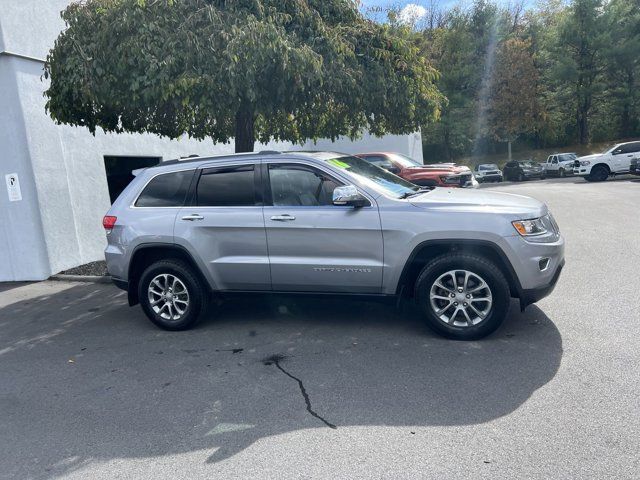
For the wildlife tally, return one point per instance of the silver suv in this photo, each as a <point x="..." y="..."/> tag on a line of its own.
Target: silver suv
<point x="319" y="222"/>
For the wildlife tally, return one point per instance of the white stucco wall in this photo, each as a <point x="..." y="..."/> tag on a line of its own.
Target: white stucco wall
<point x="58" y="223"/>
<point x="410" y="145"/>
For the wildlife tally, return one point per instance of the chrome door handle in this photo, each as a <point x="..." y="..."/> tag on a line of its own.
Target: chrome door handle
<point x="283" y="218"/>
<point x="193" y="217"/>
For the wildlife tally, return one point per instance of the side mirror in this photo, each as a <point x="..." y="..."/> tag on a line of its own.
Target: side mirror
<point x="348" y="195"/>
<point x="617" y="152"/>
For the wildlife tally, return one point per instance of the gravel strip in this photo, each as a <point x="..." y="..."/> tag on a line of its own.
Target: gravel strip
<point x="94" y="269"/>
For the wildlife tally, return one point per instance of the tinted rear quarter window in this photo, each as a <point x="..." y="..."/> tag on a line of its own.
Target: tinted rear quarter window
<point x="227" y="187"/>
<point x="166" y="190"/>
<point x="633" y="147"/>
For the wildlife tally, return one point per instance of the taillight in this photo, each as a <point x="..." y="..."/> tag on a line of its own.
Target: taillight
<point x="108" y="222"/>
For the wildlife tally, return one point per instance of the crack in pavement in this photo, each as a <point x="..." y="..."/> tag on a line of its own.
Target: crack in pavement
<point x="276" y="359"/>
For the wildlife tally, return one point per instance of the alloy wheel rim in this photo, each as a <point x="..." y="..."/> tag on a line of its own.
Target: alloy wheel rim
<point x="168" y="297"/>
<point x="461" y="298"/>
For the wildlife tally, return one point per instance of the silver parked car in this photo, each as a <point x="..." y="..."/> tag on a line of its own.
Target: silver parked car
<point x="326" y="223"/>
<point x="488" y="172"/>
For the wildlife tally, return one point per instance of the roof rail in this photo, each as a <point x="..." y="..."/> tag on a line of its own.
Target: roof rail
<point x="269" y="152"/>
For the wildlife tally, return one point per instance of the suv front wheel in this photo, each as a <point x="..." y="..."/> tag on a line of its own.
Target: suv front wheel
<point x="171" y="295"/>
<point x="463" y="296"/>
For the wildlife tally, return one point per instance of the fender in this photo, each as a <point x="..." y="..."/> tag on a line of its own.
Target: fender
<point x="454" y="244"/>
<point x="183" y="253"/>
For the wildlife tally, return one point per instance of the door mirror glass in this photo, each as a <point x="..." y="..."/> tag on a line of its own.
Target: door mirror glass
<point x="348" y="195"/>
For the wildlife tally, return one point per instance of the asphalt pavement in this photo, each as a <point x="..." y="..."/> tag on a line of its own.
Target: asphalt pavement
<point x="292" y="387"/>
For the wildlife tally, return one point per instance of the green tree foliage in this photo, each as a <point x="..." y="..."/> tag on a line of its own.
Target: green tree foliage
<point x="577" y="80"/>
<point x="513" y="102"/>
<point x="248" y="69"/>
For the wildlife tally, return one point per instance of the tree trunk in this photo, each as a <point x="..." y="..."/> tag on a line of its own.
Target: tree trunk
<point x="626" y="128"/>
<point x="582" y="121"/>
<point x="447" y="146"/>
<point x="245" y="129"/>
<point x="509" y="148"/>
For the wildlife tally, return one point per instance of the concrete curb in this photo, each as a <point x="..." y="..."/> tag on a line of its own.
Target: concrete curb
<point x="81" y="278"/>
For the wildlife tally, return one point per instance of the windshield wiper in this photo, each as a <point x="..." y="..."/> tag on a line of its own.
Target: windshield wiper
<point x="417" y="192"/>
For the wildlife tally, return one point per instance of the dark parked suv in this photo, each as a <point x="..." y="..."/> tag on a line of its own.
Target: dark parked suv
<point x="521" y="170"/>
<point x="326" y="223"/>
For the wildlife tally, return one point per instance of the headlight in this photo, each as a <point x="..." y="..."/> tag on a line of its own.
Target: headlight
<point x="450" y="180"/>
<point x="584" y="163"/>
<point x="529" y="228"/>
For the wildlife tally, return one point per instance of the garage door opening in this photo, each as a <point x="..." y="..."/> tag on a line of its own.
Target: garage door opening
<point x="119" y="171"/>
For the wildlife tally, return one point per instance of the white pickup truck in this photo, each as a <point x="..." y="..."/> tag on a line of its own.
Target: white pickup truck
<point x="614" y="160"/>
<point x="560" y="164"/>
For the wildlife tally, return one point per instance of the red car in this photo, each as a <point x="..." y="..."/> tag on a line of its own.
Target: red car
<point x="435" y="175"/>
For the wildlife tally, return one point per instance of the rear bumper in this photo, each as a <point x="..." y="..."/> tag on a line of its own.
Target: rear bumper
<point x="529" y="296"/>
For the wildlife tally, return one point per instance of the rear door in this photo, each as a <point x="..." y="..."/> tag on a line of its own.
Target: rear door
<point x="224" y="226"/>
<point x="313" y="244"/>
<point x="624" y="154"/>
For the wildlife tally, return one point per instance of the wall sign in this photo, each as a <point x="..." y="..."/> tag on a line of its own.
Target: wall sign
<point x="13" y="187"/>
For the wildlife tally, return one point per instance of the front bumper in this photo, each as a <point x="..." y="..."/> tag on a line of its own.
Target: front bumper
<point x="490" y="178"/>
<point x="533" y="174"/>
<point x="532" y="295"/>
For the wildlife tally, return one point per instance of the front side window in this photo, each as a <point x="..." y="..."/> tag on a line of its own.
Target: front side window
<point x="227" y="187"/>
<point x="299" y="185"/>
<point x="166" y="190"/>
<point x="381" y="162"/>
<point x="374" y="177"/>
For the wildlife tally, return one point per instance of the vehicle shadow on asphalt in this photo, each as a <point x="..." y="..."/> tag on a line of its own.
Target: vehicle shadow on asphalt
<point x="84" y="378"/>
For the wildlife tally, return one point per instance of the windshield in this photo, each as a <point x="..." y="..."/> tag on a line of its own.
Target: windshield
<point x="403" y="160"/>
<point x="527" y="164"/>
<point x="488" y="166"/>
<point x="375" y="177"/>
<point x="567" y="156"/>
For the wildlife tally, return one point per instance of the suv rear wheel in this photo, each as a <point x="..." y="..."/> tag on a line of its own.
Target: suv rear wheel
<point x="463" y="296"/>
<point x="171" y="295"/>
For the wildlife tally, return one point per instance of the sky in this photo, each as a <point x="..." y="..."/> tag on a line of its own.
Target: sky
<point x="411" y="11"/>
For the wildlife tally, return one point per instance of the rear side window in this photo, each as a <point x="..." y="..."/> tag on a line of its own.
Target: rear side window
<point x="227" y="187"/>
<point x="166" y="190"/>
<point x="631" y="147"/>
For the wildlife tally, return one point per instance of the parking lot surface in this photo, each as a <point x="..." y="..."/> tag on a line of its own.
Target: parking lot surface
<point x="294" y="387"/>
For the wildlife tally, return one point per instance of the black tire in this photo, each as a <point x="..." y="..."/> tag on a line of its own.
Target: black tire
<point x="477" y="265"/>
<point x="197" y="294"/>
<point x="520" y="177"/>
<point x="543" y="177"/>
<point x="599" y="173"/>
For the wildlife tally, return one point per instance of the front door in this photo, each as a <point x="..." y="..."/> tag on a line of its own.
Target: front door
<point x="313" y="244"/>
<point x="225" y="228"/>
